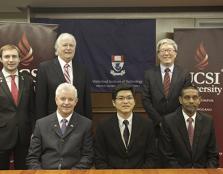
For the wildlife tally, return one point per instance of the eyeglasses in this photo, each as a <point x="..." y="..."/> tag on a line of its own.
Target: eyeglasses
<point x="166" y="50"/>
<point x="128" y="98"/>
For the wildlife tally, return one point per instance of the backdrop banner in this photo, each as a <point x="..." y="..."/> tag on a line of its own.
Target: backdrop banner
<point x="200" y="51"/>
<point x="114" y="51"/>
<point x="35" y="41"/>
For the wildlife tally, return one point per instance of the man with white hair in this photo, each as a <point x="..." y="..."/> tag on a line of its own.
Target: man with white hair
<point x="62" y="69"/>
<point x="63" y="139"/>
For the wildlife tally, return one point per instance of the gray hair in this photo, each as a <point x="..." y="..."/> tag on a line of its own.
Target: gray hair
<point x="66" y="86"/>
<point x="61" y="36"/>
<point x="166" y="41"/>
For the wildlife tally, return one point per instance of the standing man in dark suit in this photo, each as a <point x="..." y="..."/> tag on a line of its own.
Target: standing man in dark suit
<point x="62" y="140"/>
<point x="62" y="69"/>
<point x="163" y="83"/>
<point x="187" y="136"/>
<point x="125" y="140"/>
<point x="16" y="109"/>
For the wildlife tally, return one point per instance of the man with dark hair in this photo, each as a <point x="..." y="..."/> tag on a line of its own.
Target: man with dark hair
<point x="126" y="140"/>
<point x="16" y="109"/>
<point x="187" y="137"/>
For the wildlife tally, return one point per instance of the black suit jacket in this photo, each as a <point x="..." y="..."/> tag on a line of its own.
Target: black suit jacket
<point x="49" y="149"/>
<point x="154" y="100"/>
<point x="110" y="151"/>
<point x="49" y="76"/>
<point x="175" y="146"/>
<point x="16" y="121"/>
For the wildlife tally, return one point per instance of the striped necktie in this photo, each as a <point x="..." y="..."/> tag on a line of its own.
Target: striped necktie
<point x="66" y="73"/>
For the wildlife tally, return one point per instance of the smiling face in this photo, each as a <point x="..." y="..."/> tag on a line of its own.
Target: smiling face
<point x="190" y="101"/>
<point x="10" y="60"/>
<point x="167" y="54"/>
<point x="124" y="103"/>
<point x="65" y="102"/>
<point x="66" y="48"/>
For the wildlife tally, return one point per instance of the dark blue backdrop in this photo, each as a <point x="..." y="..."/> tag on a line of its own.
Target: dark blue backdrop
<point x="127" y="40"/>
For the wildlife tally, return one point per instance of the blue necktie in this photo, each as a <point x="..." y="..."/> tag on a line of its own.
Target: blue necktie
<point x="64" y="125"/>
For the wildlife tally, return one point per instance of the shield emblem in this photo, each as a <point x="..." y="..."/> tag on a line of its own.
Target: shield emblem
<point x="117" y="62"/>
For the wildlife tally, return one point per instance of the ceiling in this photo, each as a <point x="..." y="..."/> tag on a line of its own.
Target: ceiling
<point x="10" y="6"/>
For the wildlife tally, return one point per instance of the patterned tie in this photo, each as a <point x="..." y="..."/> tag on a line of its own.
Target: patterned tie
<point x="190" y="130"/>
<point x="166" y="82"/>
<point x="126" y="132"/>
<point x="64" y="125"/>
<point x="14" y="89"/>
<point x="66" y="73"/>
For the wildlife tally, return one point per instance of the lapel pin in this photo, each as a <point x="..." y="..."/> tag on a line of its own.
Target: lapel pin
<point x="71" y="125"/>
<point x="55" y="125"/>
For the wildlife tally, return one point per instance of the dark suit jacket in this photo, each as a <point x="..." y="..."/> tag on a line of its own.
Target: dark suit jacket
<point x="49" y="149"/>
<point x="16" y="121"/>
<point x="154" y="100"/>
<point x="110" y="151"/>
<point x="49" y="76"/>
<point x="175" y="146"/>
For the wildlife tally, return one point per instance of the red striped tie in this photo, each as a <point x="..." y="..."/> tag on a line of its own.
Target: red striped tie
<point x="66" y="73"/>
<point x="166" y="82"/>
<point x="14" y="89"/>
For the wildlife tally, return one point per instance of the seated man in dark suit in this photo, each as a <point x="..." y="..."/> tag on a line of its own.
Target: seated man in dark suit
<point x="125" y="140"/>
<point x="187" y="137"/>
<point x="63" y="139"/>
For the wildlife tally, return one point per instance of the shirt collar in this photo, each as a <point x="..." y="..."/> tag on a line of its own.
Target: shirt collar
<point x="6" y="74"/>
<point x="59" y="117"/>
<point x="186" y="116"/>
<point x="120" y="119"/>
<point x="162" y="67"/>
<point x="62" y="62"/>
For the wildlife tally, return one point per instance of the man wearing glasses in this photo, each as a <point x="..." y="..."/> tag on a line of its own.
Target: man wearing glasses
<point x="163" y="83"/>
<point x="125" y="140"/>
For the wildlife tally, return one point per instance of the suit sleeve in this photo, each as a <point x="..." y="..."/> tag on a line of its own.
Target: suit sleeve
<point x="41" y="93"/>
<point x="166" y="148"/>
<point x="151" y="158"/>
<point x="34" y="153"/>
<point x="87" y="151"/>
<point x="212" y="152"/>
<point x="101" y="159"/>
<point x="147" y="100"/>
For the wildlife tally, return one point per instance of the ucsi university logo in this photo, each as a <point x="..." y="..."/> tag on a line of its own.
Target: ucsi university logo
<point x="26" y="53"/>
<point x="207" y="82"/>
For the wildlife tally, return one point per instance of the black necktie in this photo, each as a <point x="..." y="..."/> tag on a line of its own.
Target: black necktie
<point x="126" y="132"/>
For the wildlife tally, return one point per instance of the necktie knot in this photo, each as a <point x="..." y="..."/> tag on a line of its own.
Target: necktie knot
<point x="126" y="122"/>
<point x="190" y="120"/>
<point x="13" y="77"/>
<point x="167" y="70"/>
<point x="64" y="120"/>
<point x="66" y="66"/>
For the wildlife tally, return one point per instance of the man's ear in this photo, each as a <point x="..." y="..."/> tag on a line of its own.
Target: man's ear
<point x="113" y="103"/>
<point x="180" y="100"/>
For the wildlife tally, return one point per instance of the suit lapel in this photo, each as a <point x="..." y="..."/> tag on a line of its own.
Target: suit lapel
<point x="197" y="132"/>
<point x="55" y="125"/>
<point x="135" y="131"/>
<point x="117" y="134"/>
<point x="21" y="87"/>
<point x="158" y="77"/>
<point x="71" y="125"/>
<point x="5" y="88"/>
<point x="59" y="73"/>
<point x="181" y="126"/>
<point x="173" y="80"/>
